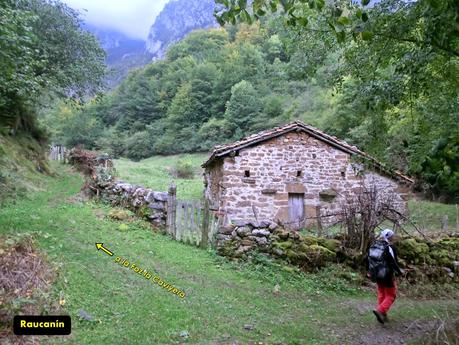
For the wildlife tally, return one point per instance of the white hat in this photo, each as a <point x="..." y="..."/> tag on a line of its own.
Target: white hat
<point x="387" y="234"/>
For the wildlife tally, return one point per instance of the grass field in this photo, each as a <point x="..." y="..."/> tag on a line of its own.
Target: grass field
<point x="157" y="173"/>
<point x="225" y="302"/>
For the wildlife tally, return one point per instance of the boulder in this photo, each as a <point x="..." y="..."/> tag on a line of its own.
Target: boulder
<point x="149" y="198"/>
<point x="160" y="196"/>
<point x="157" y="206"/>
<point x="226" y="230"/>
<point x="261" y="233"/>
<point x="247" y="242"/>
<point x="262" y="241"/>
<point x="243" y="231"/>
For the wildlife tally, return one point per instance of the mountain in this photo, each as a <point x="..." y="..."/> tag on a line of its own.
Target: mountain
<point x="123" y="53"/>
<point x="176" y="20"/>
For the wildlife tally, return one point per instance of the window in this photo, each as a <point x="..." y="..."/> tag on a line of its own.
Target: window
<point x="343" y="174"/>
<point x="314" y="156"/>
<point x="299" y="173"/>
<point x="247" y="173"/>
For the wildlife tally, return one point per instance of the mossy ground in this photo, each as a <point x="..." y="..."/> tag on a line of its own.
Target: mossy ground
<point x="283" y="306"/>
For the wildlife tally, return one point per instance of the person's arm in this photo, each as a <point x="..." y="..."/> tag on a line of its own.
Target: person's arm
<point x="393" y="261"/>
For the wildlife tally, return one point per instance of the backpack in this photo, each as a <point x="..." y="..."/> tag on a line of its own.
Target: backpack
<point x="377" y="261"/>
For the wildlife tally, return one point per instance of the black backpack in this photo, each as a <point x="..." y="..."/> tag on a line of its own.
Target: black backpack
<point x="377" y="261"/>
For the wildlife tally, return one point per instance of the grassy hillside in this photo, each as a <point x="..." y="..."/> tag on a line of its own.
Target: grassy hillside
<point x="225" y="302"/>
<point x="23" y="166"/>
<point x="159" y="172"/>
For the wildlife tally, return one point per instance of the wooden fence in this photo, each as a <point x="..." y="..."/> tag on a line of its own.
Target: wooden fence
<point x="190" y="222"/>
<point x="57" y="153"/>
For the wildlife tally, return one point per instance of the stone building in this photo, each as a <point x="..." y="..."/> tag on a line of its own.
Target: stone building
<point x="292" y="175"/>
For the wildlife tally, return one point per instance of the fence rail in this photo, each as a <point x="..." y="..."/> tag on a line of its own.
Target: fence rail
<point x="191" y="222"/>
<point x="57" y="153"/>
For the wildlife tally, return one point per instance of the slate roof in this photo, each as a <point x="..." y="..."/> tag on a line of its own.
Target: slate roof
<point x="254" y="139"/>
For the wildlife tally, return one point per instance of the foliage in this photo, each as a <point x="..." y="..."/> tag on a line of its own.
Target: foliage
<point x="394" y="95"/>
<point x="184" y="169"/>
<point x="44" y="53"/>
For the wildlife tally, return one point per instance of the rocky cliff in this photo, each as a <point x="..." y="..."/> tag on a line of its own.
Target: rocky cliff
<point x="177" y="19"/>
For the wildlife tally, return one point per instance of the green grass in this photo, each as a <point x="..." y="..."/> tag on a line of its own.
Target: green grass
<point x="428" y="215"/>
<point x="157" y="173"/>
<point x="221" y="298"/>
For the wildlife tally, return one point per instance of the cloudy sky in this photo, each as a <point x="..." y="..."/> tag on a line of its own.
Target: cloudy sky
<point x="132" y="17"/>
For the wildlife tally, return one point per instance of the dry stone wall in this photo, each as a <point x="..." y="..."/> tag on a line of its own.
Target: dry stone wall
<point x="143" y="201"/>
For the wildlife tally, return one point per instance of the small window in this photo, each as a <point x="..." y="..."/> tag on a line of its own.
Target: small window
<point x="343" y="174"/>
<point x="314" y="156"/>
<point x="299" y="173"/>
<point x="247" y="173"/>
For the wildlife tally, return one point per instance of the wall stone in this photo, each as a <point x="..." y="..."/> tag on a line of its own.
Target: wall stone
<point x="145" y="202"/>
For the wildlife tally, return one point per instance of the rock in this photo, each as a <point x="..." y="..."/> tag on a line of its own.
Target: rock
<point x="244" y="249"/>
<point x="247" y="242"/>
<point x="264" y="224"/>
<point x="261" y="233"/>
<point x="157" y="206"/>
<point x="273" y="226"/>
<point x="239" y="223"/>
<point x="262" y="241"/>
<point x="84" y="315"/>
<point x="149" y="198"/>
<point x="226" y="230"/>
<point x="243" y="231"/>
<point x="222" y="237"/>
<point x="254" y="224"/>
<point x="160" y="196"/>
<point x="184" y="334"/>
<point x="249" y="327"/>
<point x="119" y="215"/>
<point x="136" y="202"/>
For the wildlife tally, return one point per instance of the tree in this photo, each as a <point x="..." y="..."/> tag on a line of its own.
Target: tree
<point x="242" y="108"/>
<point x="44" y="51"/>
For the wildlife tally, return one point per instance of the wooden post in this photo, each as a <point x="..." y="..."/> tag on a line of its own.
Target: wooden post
<point x="444" y="223"/>
<point x="205" y="224"/>
<point x="172" y="210"/>
<point x="319" y="222"/>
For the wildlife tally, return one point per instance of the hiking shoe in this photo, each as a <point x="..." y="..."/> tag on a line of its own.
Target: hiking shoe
<point x="385" y="319"/>
<point x="379" y="316"/>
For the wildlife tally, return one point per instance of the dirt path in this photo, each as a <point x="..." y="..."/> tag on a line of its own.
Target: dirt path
<point x="391" y="333"/>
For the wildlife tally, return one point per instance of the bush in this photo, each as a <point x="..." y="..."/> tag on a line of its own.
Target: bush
<point x="184" y="169"/>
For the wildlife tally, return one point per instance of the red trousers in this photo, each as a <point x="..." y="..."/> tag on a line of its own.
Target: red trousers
<point x="386" y="297"/>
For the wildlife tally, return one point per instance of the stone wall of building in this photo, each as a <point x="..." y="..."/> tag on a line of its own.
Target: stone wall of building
<point x="257" y="180"/>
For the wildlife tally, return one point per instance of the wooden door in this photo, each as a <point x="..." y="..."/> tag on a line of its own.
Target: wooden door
<point x="296" y="210"/>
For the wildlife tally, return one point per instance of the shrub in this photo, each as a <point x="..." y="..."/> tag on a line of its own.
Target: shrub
<point x="184" y="169"/>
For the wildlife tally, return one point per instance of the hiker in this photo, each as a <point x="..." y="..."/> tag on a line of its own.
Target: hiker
<point x="382" y="264"/>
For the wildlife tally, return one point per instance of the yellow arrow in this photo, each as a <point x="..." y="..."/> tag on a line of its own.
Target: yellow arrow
<point x="100" y="246"/>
